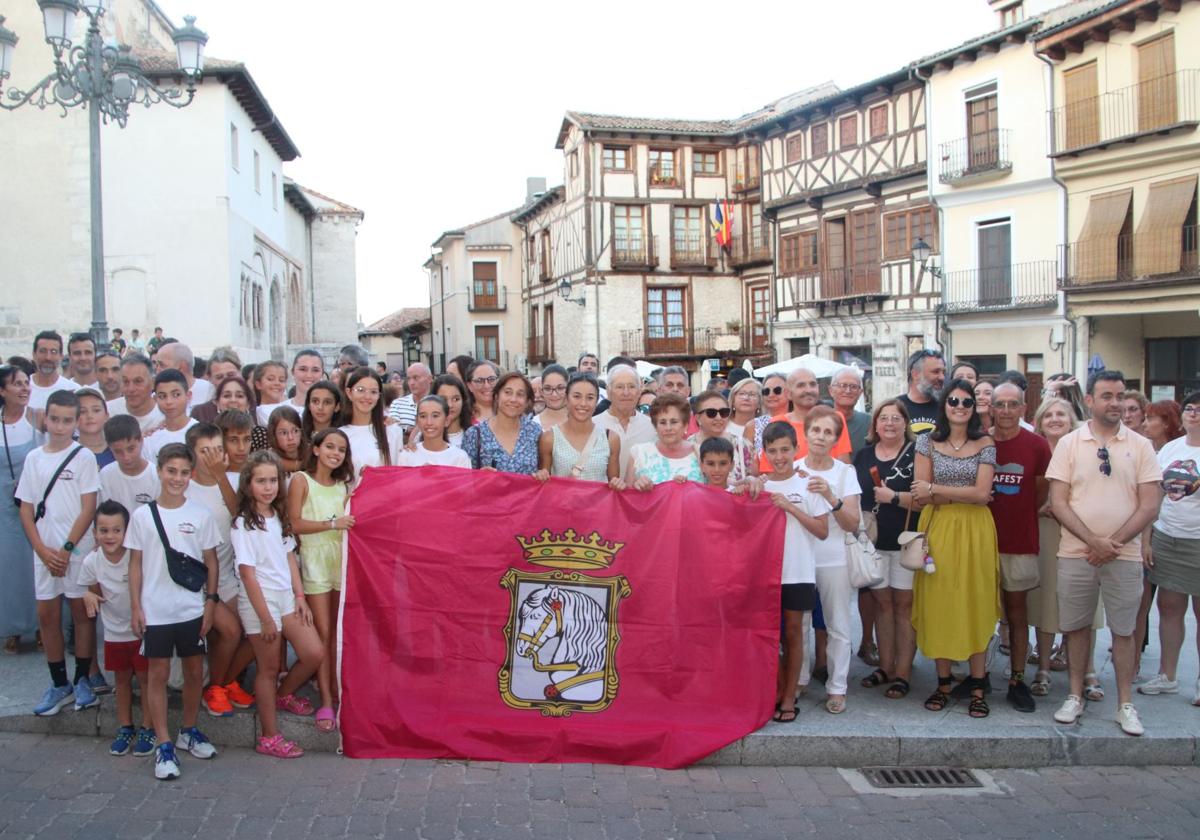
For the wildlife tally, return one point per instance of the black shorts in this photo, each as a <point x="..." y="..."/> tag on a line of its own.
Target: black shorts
<point x="799" y="597"/>
<point x="161" y="641"/>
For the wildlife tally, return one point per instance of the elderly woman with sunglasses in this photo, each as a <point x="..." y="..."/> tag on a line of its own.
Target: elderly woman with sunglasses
<point x="713" y="417"/>
<point x="774" y="405"/>
<point x="956" y="608"/>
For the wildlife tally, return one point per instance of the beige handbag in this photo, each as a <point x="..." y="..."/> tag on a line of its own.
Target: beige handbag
<point x="914" y="547"/>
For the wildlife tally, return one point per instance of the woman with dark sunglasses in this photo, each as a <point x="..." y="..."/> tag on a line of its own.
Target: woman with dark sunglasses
<point x="712" y="416"/>
<point x="774" y="405"/>
<point x="955" y="609"/>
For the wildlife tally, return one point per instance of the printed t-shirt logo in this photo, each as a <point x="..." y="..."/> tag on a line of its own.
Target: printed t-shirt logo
<point x="1180" y="479"/>
<point x="66" y="475"/>
<point x="1008" y="479"/>
<point x="143" y="498"/>
<point x="187" y="528"/>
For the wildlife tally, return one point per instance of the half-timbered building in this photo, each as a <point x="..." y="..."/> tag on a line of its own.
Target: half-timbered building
<point x="844" y="182"/>
<point x="622" y="259"/>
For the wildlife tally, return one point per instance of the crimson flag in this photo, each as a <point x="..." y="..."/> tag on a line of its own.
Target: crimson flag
<point x="488" y="617"/>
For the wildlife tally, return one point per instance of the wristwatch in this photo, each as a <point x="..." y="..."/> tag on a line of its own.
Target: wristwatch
<point x="215" y="597"/>
<point x="69" y="547"/>
<point x="838" y="506"/>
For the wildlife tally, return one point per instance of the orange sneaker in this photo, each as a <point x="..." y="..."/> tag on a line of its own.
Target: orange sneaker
<point x="216" y="702"/>
<point x="238" y="696"/>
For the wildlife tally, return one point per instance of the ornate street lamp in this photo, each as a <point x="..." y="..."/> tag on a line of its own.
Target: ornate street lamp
<point x="564" y="292"/>
<point x="105" y="81"/>
<point x="920" y="255"/>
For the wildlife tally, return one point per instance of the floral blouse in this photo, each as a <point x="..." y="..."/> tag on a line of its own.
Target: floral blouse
<point x="480" y="443"/>
<point x="649" y="463"/>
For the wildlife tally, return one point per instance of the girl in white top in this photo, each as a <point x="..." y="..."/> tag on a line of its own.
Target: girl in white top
<point x="274" y="598"/>
<point x="270" y="388"/>
<point x="308" y="368"/>
<point x="372" y="444"/>
<point x="578" y="447"/>
<point x="836" y="482"/>
<point x="434" y="448"/>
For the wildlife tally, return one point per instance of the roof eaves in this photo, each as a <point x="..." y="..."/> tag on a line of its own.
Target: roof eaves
<point x="547" y="198"/>
<point x="1087" y="10"/>
<point x="1026" y="26"/>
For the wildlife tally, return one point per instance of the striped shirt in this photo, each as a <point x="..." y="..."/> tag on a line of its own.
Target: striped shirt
<point x="403" y="411"/>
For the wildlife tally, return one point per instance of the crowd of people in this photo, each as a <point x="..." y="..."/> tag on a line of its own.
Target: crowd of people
<point x="195" y="509"/>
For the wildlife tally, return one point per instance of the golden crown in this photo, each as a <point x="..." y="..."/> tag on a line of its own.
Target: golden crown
<point x="569" y="551"/>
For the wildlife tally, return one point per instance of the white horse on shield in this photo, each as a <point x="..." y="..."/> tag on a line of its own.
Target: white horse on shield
<point x="577" y="668"/>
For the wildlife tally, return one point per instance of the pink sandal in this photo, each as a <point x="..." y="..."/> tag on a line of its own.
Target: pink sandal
<point x="277" y="747"/>
<point x="326" y="719"/>
<point x="295" y="705"/>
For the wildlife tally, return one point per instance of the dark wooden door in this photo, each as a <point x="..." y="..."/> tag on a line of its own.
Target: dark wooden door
<point x="865" y="247"/>
<point x="995" y="268"/>
<point x="833" y="279"/>
<point x="983" y="133"/>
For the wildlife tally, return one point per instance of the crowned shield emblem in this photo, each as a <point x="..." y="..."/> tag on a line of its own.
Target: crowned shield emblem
<point x="562" y="632"/>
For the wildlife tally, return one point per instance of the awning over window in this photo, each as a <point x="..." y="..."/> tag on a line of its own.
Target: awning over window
<point x="1099" y="250"/>
<point x="1158" y="245"/>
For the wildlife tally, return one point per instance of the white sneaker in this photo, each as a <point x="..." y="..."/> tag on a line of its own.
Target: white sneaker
<point x="1159" y="684"/>
<point x="1127" y="717"/>
<point x="1071" y="709"/>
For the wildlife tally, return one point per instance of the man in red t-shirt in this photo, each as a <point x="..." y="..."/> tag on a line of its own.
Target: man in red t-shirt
<point x="805" y="393"/>
<point x="1019" y="489"/>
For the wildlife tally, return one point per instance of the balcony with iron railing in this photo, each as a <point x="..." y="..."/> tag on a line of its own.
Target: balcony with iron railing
<point x="1158" y="106"/>
<point x="746" y="251"/>
<point x="485" y="299"/>
<point x="634" y="251"/>
<point x="1134" y="260"/>
<point x="690" y="251"/>
<point x="538" y="349"/>
<point x="976" y="157"/>
<point x="747" y="176"/>
<point x="704" y="342"/>
<point x="1016" y="286"/>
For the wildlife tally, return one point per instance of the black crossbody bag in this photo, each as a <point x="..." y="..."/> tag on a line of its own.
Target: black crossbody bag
<point x="184" y="569"/>
<point x="40" y="510"/>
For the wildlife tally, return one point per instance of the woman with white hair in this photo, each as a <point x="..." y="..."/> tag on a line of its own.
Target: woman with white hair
<point x="622" y="417"/>
<point x="745" y="401"/>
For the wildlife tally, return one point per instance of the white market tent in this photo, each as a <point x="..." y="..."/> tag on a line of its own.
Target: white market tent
<point x="821" y="368"/>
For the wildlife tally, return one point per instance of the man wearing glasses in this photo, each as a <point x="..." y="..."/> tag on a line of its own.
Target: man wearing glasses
<point x="926" y="376"/>
<point x="846" y="388"/>
<point x="1104" y="489"/>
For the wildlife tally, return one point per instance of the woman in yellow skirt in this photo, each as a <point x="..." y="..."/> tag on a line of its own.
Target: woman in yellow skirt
<point x="955" y="609"/>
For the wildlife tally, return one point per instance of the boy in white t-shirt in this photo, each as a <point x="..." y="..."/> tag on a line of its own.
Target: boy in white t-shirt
<point x="106" y="574"/>
<point x="171" y="619"/>
<point x="172" y="395"/>
<point x="228" y="654"/>
<point x="130" y="479"/>
<point x="807" y="517"/>
<point x="57" y="492"/>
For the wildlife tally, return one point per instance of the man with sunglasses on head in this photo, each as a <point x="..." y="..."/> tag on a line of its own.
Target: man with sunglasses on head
<point x="1104" y="489"/>
<point x="926" y="376"/>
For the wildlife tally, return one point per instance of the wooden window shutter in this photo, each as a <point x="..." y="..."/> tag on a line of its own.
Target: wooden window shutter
<point x="1097" y="252"/>
<point x="879" y="120"/>
<point x="794" y="148"/>
<point x="848" y="131"/>
<point x="1158" y="244"/>
<point x="1082" y="110"/>
<point x="1156" y="83"/>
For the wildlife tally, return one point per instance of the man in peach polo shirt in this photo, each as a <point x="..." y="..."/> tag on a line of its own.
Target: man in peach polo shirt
<point x="805" y="393"/>
<point x="1104" y="489"/>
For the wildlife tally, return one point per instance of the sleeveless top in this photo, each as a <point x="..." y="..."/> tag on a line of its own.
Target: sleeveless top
<point x="593" y="458"/>
<point x="952" y="470"/>
<point x="320" y="503"/>
<point x="649" y="463"/>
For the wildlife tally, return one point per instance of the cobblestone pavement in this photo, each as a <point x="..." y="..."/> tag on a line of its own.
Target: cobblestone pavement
<point x="69" y="787"/>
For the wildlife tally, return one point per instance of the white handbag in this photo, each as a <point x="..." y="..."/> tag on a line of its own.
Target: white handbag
<point x="862" y="560"/>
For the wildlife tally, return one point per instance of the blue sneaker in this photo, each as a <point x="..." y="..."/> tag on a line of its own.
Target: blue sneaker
<point x="99" y="684"/>
<point x="85" y="698"/>
<point x="53" y="700"/>
<point x="166" y="765"/>
<point x="145" y="743"/>
<point x="123" y="742"/>
<point x="195" y="742"/>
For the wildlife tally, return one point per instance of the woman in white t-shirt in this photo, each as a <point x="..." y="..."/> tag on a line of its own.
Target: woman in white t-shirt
<point x="837" y="483"/>
<point x="265" y="548"/>
<point x="372" y="444"/>
<point x="1172" y="549"/>
<point x="434" y="448"/>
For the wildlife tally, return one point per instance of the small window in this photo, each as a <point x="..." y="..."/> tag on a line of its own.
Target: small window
<point x="879" y="121"/>
<point x="274" y="191"/>
<point x="820" y="140"/>
<point x="257" y="173"/>
<point x="808" y="251"/>
<point x="848" y="131"/>
<point x="706" y="162"/>
<point x="662" y="167"/>
<point x="794" y="148"/>
<point x="616" y="158"/>
<point x="233" y="147"/>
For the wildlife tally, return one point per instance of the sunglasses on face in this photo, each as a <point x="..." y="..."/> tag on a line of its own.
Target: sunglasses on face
<point x="1105" y="464"/>
<point x="965" y="402"/>
<point x="777" y="390"/>
<point x="714" y="413"/>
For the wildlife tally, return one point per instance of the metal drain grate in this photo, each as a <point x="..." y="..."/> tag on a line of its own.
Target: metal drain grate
<point x="921" y="777"/>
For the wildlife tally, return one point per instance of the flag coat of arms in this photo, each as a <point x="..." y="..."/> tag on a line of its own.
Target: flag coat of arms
<point x="722" y="224"/>
<point x="487" y="616"/>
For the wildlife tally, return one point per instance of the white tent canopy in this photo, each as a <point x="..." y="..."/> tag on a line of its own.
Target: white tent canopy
<point x="821" y="368"/>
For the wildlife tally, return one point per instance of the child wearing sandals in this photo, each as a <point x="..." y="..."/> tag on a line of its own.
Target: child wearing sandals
<point x="272" y="599"/>
<point x="317" y="508"/>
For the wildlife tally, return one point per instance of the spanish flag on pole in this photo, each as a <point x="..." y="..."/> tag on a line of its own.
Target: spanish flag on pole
<point x="722" y="223"/>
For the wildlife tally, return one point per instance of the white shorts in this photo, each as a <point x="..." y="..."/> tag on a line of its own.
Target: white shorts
<point x="895" y="576"/>
<point x="47" y="587"/>
<point x="280" y="603"/>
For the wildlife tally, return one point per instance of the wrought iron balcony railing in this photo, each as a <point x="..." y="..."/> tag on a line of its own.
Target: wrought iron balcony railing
<point x="975" y="156"/>
<point x="1155" y="106"/>
<point x="690" y="251"/>
<point x="1146" y="257"/>
<point x="747" y="250"/>
<point x="485" y="299"/>
<point x="658" y="341"/>
<point x="634" y="251"/>
<point x="1016" y="286"/>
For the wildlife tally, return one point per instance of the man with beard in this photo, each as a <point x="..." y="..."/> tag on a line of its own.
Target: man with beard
<point x="926" y="375"/>
<point x="47" y="355"/>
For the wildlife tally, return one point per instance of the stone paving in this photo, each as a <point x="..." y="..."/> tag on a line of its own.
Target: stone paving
<point x="59" y="788"/>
